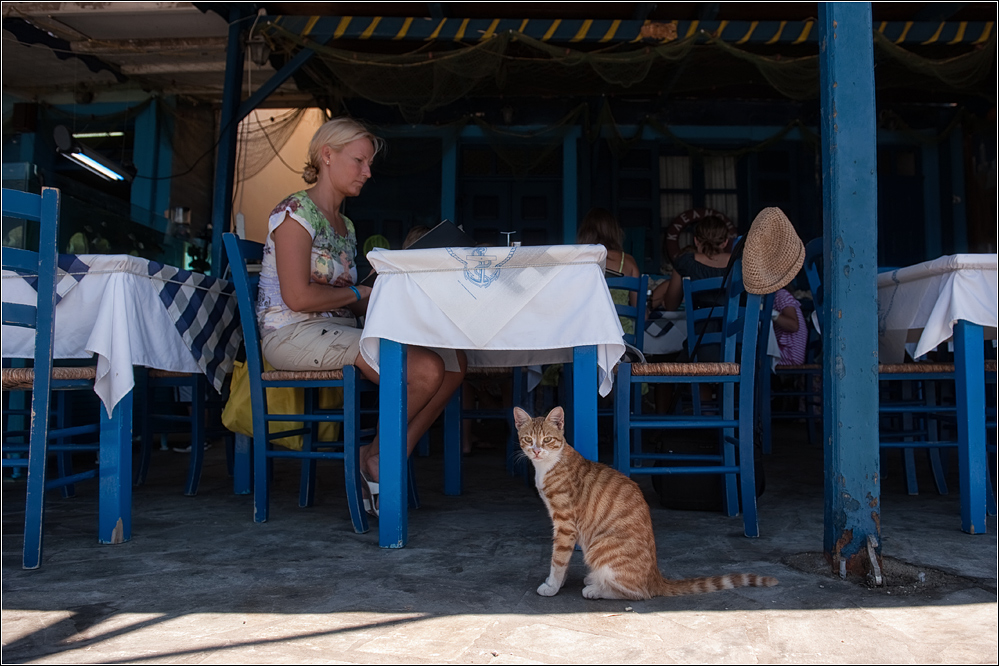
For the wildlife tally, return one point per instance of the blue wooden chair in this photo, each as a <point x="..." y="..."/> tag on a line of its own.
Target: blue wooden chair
<point x="473" y="411"/>
<point x="43" y="378"/>
<point x="202" y="423"/>
<point x="735" y="372"/>
<point x="632" y="314"/>
<point x="240" y="254"/>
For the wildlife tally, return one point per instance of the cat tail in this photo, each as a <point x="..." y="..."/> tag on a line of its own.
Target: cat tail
<point x="673" y="588"/>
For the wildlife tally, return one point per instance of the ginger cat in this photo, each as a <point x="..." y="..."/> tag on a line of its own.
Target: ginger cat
<point x="605" y="512"/>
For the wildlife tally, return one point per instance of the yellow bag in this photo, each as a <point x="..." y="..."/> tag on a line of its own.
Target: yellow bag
<point x="237" y="415"/>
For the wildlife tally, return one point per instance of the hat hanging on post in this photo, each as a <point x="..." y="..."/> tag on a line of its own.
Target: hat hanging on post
<point x="773" y="253"/>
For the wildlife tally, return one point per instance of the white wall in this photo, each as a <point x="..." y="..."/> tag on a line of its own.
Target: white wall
<point x="257" y="196"/>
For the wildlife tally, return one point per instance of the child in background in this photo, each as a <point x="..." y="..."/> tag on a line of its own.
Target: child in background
<point x="789" y="328"/>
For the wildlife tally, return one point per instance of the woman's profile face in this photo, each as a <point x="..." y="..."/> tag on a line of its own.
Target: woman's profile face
<point x="350" y="168"/>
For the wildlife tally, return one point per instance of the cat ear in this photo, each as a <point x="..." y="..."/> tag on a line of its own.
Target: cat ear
<point x="557" y="418"/>
<point x="520" y="417"/>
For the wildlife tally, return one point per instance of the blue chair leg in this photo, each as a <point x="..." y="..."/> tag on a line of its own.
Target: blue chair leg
<point x="452" y="446"/>
<point x="413" y="495"/>
<point x="352" y="449"/>
<point x="34" y="503"/>
<point x="423" y="446"/>
<point x="198" y="434"/>
<point x="307" y="486"/>
<point x="731" y="494"/>
<point x="64" y="460"/>
<point x="145" y="424"/>
<point x="747" y="470"/>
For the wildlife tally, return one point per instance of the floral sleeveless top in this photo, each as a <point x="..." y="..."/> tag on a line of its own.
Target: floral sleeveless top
<point x="332" y="262"/>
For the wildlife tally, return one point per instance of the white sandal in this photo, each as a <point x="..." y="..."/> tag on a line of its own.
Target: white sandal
<point x="370" y="502"/>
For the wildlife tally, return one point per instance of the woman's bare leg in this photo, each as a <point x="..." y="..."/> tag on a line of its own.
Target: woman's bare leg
<point x="428" y="391"/>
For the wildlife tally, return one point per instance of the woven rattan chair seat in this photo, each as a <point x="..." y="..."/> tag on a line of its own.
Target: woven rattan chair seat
<point x="798" y="367"/>
<point x="488" y="372"/>
<point x="912" y="368"/>
<point x="307" y="375"/>
<point x="19" y="379"/>
<point x="684" y="369"/>
<point x="166" y="374"/>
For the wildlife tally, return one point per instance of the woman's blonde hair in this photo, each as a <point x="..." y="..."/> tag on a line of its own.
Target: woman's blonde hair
<point x="336" y="134"/>
<point x="713" y="232"/>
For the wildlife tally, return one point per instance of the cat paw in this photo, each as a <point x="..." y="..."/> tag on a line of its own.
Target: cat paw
<point x="548" y="590"/>
<point x="593" y="592"/>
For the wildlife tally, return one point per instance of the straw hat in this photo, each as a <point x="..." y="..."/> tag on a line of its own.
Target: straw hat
<point x="773" y="253"/>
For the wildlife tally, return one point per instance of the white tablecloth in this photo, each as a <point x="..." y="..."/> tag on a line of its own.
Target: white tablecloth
<point x="131" y="311"/>
<point x="919" y="305"/>
<point x="505" y="306"/>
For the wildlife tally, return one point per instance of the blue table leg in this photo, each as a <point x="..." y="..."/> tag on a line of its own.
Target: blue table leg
<point x="452" y="445"/>
<point x="115" y="501"/>
<point x="393" y="519"/>
<point x="584" y="400"/>
<point x="969" y="366"/>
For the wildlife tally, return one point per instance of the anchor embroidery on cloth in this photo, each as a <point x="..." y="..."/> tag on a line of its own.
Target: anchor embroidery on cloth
<point x="482" y="269"/>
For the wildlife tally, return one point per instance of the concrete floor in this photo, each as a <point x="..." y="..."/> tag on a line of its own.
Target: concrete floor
<point x="201" y="583"/>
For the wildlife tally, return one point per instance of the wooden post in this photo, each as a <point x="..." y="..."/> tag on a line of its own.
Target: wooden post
<point x="849" y="201"/>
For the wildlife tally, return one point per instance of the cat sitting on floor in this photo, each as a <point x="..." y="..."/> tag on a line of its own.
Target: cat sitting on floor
<point x="606" y="514"/>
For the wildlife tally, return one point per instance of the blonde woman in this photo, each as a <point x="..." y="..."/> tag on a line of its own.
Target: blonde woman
<point x="309" y="298"/>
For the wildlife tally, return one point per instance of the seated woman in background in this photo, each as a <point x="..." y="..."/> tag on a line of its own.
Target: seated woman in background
<point x="789" y="328"/>
<point x="709" y="259"/>
<point x="600" y="227"/>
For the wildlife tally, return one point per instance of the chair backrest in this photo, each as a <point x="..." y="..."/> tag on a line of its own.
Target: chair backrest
<point x="732" y="318"/>
<point x="240" y="253"/>
<point x="43" y="209"/>
<point x="704" y="305"/>
<point x="634" y="315"/>
<point x="813" y="270"/>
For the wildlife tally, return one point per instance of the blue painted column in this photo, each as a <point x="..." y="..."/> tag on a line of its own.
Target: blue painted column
<point x="225" y="164"/>
<point x="570" y="185"/>
<point x="153" y="155"/>
<point x="849" y="207"/>
<point x="959" y="198"/>
<point x="932" y="226"/>
<point x="449" y="176"/>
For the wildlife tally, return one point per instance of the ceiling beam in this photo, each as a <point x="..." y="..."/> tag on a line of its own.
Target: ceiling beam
<point x="375" y="28"/>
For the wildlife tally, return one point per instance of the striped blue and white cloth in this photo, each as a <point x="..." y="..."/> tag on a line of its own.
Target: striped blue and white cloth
<point x="130" y="311"/>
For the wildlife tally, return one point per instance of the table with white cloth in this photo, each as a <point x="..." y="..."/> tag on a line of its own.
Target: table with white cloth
<point x="953" y="298"/>
<point x="505" y="307"/>
<point x="129" y="312"/>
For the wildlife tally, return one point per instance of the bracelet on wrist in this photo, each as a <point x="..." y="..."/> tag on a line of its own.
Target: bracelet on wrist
<point x="356" y="292"/>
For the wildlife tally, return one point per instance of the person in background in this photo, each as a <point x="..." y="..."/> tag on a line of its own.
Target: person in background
<point x="600" y="227"/>
<point x="789" y="328"/>
<point x="309" y="300"/>
<point x="415" y="234"/>
<point x="709" y="259"/>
